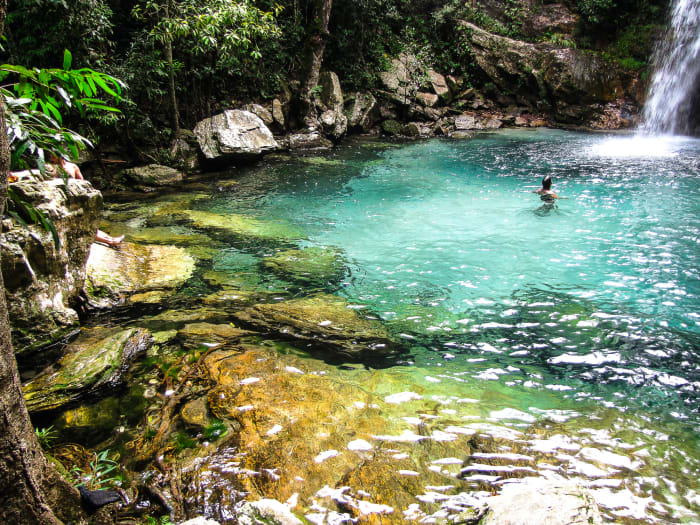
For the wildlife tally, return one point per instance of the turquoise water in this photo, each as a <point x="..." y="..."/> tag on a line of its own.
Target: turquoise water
<point x="446" y="242"/>
<point x="568" y="333"/>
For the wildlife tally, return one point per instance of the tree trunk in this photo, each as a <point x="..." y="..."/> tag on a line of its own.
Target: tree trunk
<point x="174" y="113"/>
<point x="315" y="59"/>
<point x="22" y="464"/>
<point x="28" y="483"/>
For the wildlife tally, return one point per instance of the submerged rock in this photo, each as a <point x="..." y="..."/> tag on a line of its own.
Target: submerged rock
<point x="325" y="323"/>
<point x="196" y="334"/>
<point x="266" y="512"/>
<point x="241" y="226"/>
<point x="136" y="268"/>
<point x="310" y="267"/>
<point x="538" y="501"/>
<point x="92" y="364"/>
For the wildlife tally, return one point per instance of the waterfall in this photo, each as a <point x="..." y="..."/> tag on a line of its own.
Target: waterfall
<point x="675" y="88"/>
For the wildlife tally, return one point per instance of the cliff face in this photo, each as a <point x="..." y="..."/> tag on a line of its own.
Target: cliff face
<point x="42" y="281"/>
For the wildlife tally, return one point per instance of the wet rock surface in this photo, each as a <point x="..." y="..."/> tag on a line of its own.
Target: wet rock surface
<point x="136" y="268"/>
<point x="310" y="267"/>
<point x="153" y="175"/>
<point x="92" y="365"/>
<point x="325" y="323"/>
<point x="542" y="502"/>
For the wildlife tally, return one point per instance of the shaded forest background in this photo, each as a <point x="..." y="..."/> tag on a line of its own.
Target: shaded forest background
<point x="217" y="54"/>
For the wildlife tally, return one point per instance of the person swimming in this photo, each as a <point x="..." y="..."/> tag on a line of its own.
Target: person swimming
<point x="545" y="192"/>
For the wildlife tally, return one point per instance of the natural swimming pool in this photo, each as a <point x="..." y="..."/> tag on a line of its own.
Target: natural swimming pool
<point x="567" y="332"/>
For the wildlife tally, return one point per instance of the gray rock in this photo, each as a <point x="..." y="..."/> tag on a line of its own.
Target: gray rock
<point x="403" y="76"/>
<point x="278" y="113"/>
<point x="262" y="112"/>
<point x="536" y="501"/>
<point x="41" y="280"/>
<point x="234" y="134"/>
<point x="331" y="93"/>
<point x="154" y="175"/>
<point x="266" y="512"/>
<point x="200" y="521"/>
<point x="308" y="141"/>
<point x="466" y="122"/>
<point x="185" y="152"/>
<point x="427" y="99"/>
<point x="334" y="124"/>
<point x="362" y="112"/>
<point x="568" y="79"/>
<point x="439" y="85"/>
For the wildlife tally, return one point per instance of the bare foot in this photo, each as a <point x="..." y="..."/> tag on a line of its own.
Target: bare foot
<point x="114" y="241"/>
<point x="108" y="239"/>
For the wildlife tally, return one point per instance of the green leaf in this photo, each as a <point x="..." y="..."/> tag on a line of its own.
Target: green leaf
<point x="19" y="219"/>
<point x="67" y="59"/>
<point x="49" y="227"/>
<point x="100" y="82"/>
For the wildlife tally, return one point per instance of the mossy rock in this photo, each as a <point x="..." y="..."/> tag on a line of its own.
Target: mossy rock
<point x="196" y="334"/>
<point x="391" y="127"/>
<point x="242" y="226"/>
<point x="92" y="364"/>
<point x="324" y="323"/>
<point x="137" y="268"/>
<point x="315" y="267"/>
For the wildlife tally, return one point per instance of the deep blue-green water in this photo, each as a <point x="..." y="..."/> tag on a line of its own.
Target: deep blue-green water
<point x="446" y="242"/>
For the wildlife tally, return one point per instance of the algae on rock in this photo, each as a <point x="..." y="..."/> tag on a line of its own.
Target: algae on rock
<point x="137" y="268"/>
<point x="315" y="267"/>
<point x="92" y="364"/>
<point x="325" y="323"/>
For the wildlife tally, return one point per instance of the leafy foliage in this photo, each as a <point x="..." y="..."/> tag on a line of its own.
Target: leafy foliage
<point x="102" y="472"/>
<point x="46" y="436"/>
<point x="36" y="101"/>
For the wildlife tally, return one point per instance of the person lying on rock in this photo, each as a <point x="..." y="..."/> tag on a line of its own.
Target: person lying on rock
<point x="59" y="166"/>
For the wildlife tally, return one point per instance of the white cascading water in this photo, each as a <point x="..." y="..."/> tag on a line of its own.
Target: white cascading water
<point x="677" y="73"/>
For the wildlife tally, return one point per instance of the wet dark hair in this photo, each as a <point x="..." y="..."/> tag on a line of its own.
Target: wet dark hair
<point x="547" y="183"/>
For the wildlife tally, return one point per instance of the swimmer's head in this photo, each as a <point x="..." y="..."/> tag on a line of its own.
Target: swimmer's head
<point x="547" y="183"/>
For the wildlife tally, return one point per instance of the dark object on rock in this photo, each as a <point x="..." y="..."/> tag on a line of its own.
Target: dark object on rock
<point x="92" y="500"/>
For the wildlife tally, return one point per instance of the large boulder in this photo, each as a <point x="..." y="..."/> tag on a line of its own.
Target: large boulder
<point x="234" y="135"/>
<point x="42" y="280"/>
<point x="362" y="112"/>
<point x="568" y="79"/>
<point x="403" y="78"/>
<point x="324" y="323"/>
<point x="91" y="365"/>
<point x="334" y="123"/>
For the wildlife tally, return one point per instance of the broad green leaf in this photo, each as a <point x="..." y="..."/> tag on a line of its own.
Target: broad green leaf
<point x="67" y="59"/>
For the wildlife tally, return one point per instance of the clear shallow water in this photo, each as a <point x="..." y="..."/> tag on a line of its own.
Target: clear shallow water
<point x="567" y="333"/>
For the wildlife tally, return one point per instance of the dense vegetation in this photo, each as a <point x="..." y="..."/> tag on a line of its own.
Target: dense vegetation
<point x="182" y="60"/>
